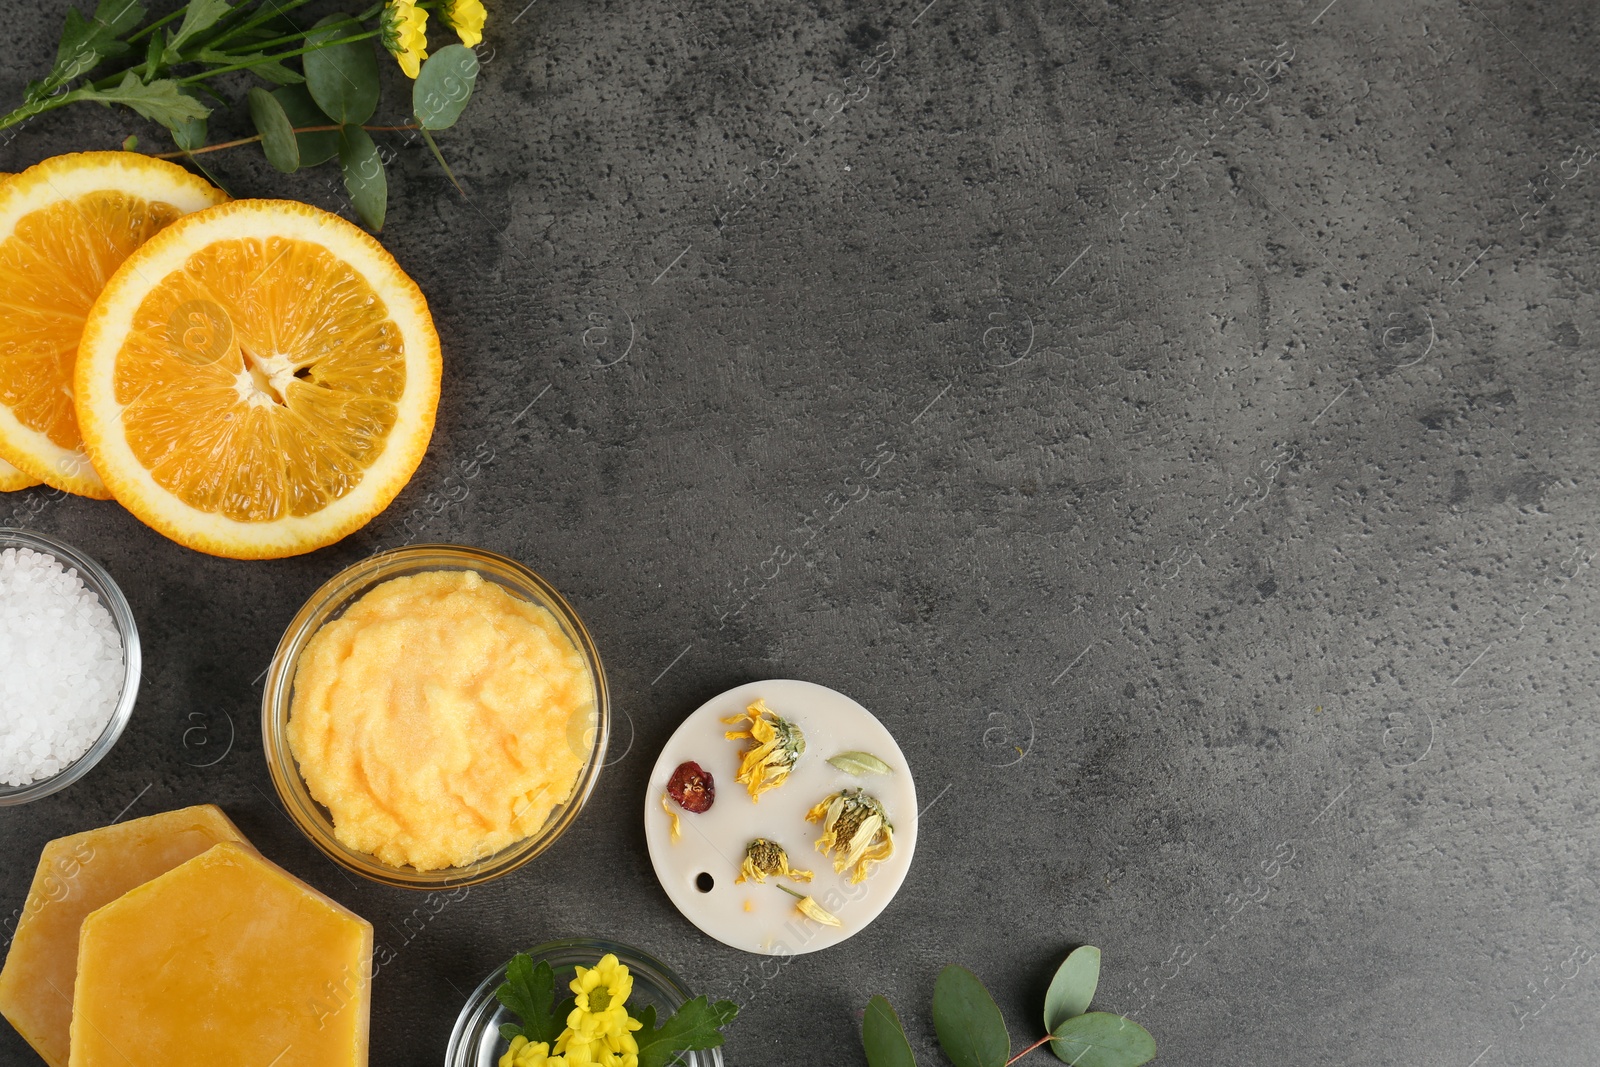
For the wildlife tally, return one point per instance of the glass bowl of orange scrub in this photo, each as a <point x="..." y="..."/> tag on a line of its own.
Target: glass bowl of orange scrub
<point x="435" y="716"/>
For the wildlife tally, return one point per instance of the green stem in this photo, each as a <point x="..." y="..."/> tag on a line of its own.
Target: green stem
<point x="1043" y="1040"/>
<point x="285" y="39"/>
<point x="251" y="23"/>
<point x="213" y="72"/>
<point x="156" y="25"/>
<point x="257" y="137"/>
<point x="28" y="111"/>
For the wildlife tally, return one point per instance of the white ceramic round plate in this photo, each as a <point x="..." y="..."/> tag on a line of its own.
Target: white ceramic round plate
<point x="761" y="917"/>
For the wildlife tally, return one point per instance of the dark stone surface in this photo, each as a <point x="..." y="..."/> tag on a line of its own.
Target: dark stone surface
<point x="1228" y="587"/>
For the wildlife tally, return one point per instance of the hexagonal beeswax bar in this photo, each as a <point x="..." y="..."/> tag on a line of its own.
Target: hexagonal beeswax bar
<point x="224" y="959"/>
<point x="76" y="875"/>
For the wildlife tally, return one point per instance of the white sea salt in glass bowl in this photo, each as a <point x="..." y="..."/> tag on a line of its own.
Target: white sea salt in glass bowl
<point x="98" y="583"/>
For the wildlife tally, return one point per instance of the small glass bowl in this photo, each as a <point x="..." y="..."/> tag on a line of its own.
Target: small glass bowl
<point x="476" y="1040"/>
<point x="99" y="582"/>
<point x="329" y="603"/>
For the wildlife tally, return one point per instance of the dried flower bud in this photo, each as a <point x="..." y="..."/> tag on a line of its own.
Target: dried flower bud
<point x="763" y="857"/>
<point x="856" y="829"/>
<point x="776" y="743"/>
<point x="808" y="907"/>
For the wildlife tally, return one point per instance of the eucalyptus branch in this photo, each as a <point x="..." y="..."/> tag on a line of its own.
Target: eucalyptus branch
<point x="252" y="140"/>
<point x="1045" y="1040"/>
<point x="324" y="80"/>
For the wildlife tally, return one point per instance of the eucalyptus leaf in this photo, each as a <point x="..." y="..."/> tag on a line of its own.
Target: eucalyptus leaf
<point x="303" y="112"/>
<point x="884" y="1038"/>
<point x="342" y="78"/>
<point x="1073" y="987"/>
<point x="970" y="1028"/>
<point x="1101" y="1039"/>
<point x="363" y="175"/>
<point x="277" y="134"/>
<point x="443" y="86"/>
<point x="860" y="764"/>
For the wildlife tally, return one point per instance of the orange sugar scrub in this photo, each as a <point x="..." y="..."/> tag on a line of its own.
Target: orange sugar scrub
<point x="440" y="719"/>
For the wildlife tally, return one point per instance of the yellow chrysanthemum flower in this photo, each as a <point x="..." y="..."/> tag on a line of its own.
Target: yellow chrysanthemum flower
<point x="763" y="857"/>
<point x="525" y="1053"/>
<point x="599" y="1028"/>
<point x="856" y="829"/>
<point x="404" y="27"/>
<point x="466" y="17"/>
<point x="776" y="744"/>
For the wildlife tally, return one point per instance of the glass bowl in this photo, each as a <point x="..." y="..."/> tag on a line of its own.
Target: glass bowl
<point x="99" y="582"/>
<point x="476" y="1040"/>
<point x="329" y="603"/>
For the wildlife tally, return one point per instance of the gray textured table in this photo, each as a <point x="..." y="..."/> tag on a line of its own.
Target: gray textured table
<point x="1176" y="423"/>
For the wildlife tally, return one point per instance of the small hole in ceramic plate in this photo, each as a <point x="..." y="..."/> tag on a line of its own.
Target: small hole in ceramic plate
<point x="704" y="882"/>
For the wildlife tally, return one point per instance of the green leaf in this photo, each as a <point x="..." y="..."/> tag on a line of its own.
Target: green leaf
<point x="1073" y="987"/>
<point x="343" y="78"/>
<point x="433" y="146"/>
<point x="303" y="111"/>
<point x="261" y="65"/>
<point x="189" y="134"/>
<point x="970" y="1028"/>
<point x="155" y="57"/>
<point x="85" y="42"/>
<point x="529" y="991"/>
<point x="860" y="764"/>
<point x="363" y="175"/>
<point x="114" y="18"/>
<point x="1101" y="1039"/>
<point x="277" y="135"/>
<point x="696" y="1025"/>
<point x="160" y="101"/>
<point x="76" y="34"/>
<point x="884" y="1037"/>
<point x="443" y="86"/>
<point x="198" y="17"/>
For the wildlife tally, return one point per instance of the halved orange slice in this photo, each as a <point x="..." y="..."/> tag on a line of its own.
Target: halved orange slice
<point x="12" y="479"/>
<point x="259" y="380"/>
<point x="65" y="226"/>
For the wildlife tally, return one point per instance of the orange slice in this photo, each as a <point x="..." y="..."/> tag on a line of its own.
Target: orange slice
<point x="259" y="380"/>
<point x="65" y="226"/>
<point x="12" y="479"/>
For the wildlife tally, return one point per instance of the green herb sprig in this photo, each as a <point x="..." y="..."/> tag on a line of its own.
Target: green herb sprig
<point x="529" y="991"/>
<point x="325" y="77"/>
<point x="973" y="1033"/>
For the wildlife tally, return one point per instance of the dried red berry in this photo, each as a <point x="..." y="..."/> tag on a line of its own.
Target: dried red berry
<point x="691" y="786"/>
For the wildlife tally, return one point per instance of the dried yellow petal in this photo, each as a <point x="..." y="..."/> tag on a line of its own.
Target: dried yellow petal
<point x="677" y="825"/>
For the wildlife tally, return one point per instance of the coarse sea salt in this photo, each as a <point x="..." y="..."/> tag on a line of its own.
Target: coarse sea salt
<point x="60" y="666"/>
